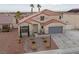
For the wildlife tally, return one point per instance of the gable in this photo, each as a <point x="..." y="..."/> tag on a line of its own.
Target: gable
<point x="52" y="21"/>
<point x="46" y="18"/>
<point x="37" y="18"/>
<point x="45" y="12"/>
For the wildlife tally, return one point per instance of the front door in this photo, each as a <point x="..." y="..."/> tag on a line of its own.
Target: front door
<point x="35" y="28"/>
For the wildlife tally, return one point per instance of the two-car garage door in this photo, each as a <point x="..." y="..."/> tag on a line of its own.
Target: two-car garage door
<point x="57" y="29"/>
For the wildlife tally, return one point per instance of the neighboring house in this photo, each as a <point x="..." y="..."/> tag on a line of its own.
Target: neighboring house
<point x="7" y="19"/>
<point x="44" y="22"/>
<point x="5" y="23"/>
<point x="74" y="10"/>
<point x="71" y="19"/>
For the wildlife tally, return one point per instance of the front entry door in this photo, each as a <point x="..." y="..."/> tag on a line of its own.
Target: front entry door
<point x="35" y="28"/>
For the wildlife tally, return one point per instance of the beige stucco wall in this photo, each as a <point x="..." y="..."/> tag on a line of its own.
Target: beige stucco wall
<point x="71" y="19"/>
<point x="11" y="26"/>
<point x="14" y="22"/>
<point x="47" y="18"/>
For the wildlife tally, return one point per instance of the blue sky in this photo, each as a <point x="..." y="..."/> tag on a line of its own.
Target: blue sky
<point x="26" y="7"/>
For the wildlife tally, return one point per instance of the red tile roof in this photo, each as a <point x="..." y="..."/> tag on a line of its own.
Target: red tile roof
<point x="52" y="21"/>
<point x="50" y="13"/>
<point x="46" y="12"/>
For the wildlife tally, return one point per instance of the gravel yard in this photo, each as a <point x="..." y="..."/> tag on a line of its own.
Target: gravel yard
<point x="9" y="42"/>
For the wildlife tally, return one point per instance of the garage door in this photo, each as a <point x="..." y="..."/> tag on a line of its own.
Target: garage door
<point x="57" y="29"/>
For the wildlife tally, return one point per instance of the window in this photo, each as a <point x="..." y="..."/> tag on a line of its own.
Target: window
<point x="42" y="18"/>
<point x="59" y="17"/>
<point x="24" y="29"/>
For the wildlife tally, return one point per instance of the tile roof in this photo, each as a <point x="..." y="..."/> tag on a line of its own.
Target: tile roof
<point x="46" y="12"/>
<point x="53" y="21"/>
<point x="74" y="10"/>
<point x="50" y="13"/>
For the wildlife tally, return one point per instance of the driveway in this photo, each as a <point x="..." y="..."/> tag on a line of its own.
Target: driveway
<point x="69" y="39"/>
<point x="68" y="43"/>
<point x="9" y="42"/>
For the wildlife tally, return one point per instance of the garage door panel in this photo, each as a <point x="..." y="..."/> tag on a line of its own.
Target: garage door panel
<point x="55" y="29"/>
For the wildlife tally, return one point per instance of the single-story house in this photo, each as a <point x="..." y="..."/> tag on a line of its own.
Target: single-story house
<point x="44" y="22"/>
<point x="5" y="23"/>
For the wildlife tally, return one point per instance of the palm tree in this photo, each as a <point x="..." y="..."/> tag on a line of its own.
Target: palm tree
<point x="32" y="6"/>
<point x="39" y="6"/>
<point x="17" y="16"/>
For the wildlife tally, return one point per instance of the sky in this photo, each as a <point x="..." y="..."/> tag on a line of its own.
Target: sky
<point x="26" y="7"/>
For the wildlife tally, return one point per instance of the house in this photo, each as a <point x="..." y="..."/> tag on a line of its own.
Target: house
<point x="44" y="22"/>
<point x="8" y="21"/>
<point x="71" y="19"/>
<point x="5" y="23"/>
<point x="74" y="10"/>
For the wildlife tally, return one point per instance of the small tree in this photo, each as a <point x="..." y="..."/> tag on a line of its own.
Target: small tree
<point x="17" y="16"/>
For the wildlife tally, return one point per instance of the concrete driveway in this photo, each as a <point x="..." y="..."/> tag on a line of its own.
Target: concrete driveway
<point x="69" y="39"/>
<point x="9" y="42"/>
<point x="67" y="42"/>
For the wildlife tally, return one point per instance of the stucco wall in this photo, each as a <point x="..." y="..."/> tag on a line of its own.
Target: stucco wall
<point x="14" y="22"/>
<point x="46" y="18"/>
<point x="71" y="19"/>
